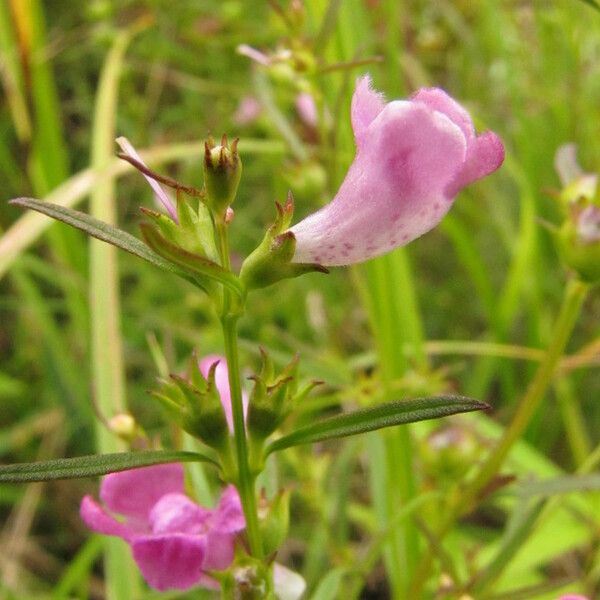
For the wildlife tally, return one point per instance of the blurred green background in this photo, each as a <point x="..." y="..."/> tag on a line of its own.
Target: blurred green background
<point x="466" y="308"/>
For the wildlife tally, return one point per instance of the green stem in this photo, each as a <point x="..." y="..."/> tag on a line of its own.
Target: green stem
<point x="245" y="479"/>
<point x="574" y="296"/>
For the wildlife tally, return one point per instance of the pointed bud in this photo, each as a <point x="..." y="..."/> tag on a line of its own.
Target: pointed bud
<point x="271" y="399"/>
<point x="222" y="173"/>
<point x="579" y="242"/>
<point x="195" y="404"/>
<point x="271" y="261"/>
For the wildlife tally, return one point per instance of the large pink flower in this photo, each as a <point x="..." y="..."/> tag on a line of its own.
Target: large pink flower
<point x="413" y="157"/>
<point x="174" y="540"/>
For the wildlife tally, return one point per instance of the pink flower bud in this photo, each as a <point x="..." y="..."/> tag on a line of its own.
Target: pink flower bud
<point x="413" y="157"/>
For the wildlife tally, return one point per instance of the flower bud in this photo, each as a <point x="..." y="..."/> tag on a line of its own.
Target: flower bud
<point x="222" y="173"/>
<point x="271" y="261"/>
<point x="195" y="403"/>
<point x="578" y="239"/>
<point x="271" y="399"/>
<point x="579" y="242"/>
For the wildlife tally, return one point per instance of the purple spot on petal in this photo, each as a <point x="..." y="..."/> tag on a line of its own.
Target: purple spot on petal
<point x="404" y="237"/>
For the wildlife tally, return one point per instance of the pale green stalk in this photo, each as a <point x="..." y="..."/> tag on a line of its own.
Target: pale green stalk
<point x="229" y="316"/>
<point x="574" y="296"/>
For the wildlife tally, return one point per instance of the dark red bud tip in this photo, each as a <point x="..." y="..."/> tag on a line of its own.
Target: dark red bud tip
<point x="289" y="205"/>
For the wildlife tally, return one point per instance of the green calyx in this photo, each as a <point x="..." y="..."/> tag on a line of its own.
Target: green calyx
<point x="272" y="397"/>
<point x="222" y="173"/>
<point x="195" y="404"/>
<point x="274" y="520"/>
<point x="271" y="261"/>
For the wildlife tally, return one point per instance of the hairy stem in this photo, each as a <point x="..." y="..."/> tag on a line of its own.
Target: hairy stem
<point x="230" y="314"/>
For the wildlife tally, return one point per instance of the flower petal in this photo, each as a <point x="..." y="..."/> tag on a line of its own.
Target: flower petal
<point x="227" y="520"/>
<point x="366" y="105"/>
<point x="394" y="191"/>
<point x="307" y="109"/>
<point x="439" y="100"/>
<point x="222" y="383"/>
<point x="566" y="164"/>
<point x="288" y="584"/>
<point x="229" y="514"/>
<point x="98" y="520"/>
<point x="172" y="561"/>
<point x="133" y="493"/>
<point x="159" y="193"/>
<point x="484" y="155"/>
<point x="176" y="513"/>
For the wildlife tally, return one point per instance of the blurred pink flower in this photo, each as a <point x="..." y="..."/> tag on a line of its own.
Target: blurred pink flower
<point x="573" y="597"/>
<point x="222" y="383"/>
<point x="307" y="109"/>
<point x="247" y="111"/>
<point x="413" y="157"/>
<point x="159" y="193"/>
<point x="174" y="540"/>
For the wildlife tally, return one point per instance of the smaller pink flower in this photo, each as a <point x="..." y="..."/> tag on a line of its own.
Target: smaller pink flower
<point x="573" y="597"/>
<point x="307" y="109"/>
<point x="413" y="158"/>
<point x="248" y="111"/>
<point x="174" y="541"/>
<point x="222" y="383"/>
<point x="159" y="193"/>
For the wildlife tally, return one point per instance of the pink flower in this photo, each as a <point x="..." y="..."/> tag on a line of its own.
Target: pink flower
<point x="307" y="109"/>
<point x="572" y="597"/>
<point x="248" y="111"/>
<point x="413" y="157"/>
<point x="222" y="383"/>
<point x="174" y="540"/>
<point x="159" y="193"/>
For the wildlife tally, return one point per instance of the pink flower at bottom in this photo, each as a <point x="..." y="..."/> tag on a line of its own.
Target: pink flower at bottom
<point x="174" y="541"/>
<point x="413" y="157"/>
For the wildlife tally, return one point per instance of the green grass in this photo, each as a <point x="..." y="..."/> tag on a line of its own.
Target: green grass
<point x="77" y="317"/>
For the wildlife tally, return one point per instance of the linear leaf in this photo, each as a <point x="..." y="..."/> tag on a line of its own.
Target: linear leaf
<point x="91" y="466"/>
<point x="102" y="231"/>
<point x="389" y="414"/>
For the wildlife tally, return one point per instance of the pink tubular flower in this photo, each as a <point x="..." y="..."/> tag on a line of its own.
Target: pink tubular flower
<point x="222" y="383"/>
<point x="159" y="193"/>
<point x="307" y="109"/>
<point x="174" y="540"/>
<point x="413" y="157"/>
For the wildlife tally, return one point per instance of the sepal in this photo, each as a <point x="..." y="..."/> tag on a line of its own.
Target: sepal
<point x="204" y="270"/>
<point x="272" y="398"/>
<point x="271" y="262"/>
<point x="194" y="403"/>
<point x="274" y="520"/>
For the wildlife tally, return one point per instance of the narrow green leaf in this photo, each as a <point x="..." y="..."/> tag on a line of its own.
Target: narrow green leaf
<point x="102" y="231"/>
<point x="194" y="264"/>
<point x="91" y="466"/>
<point x="592" y="3"/>
<point x="389" y="414"/>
